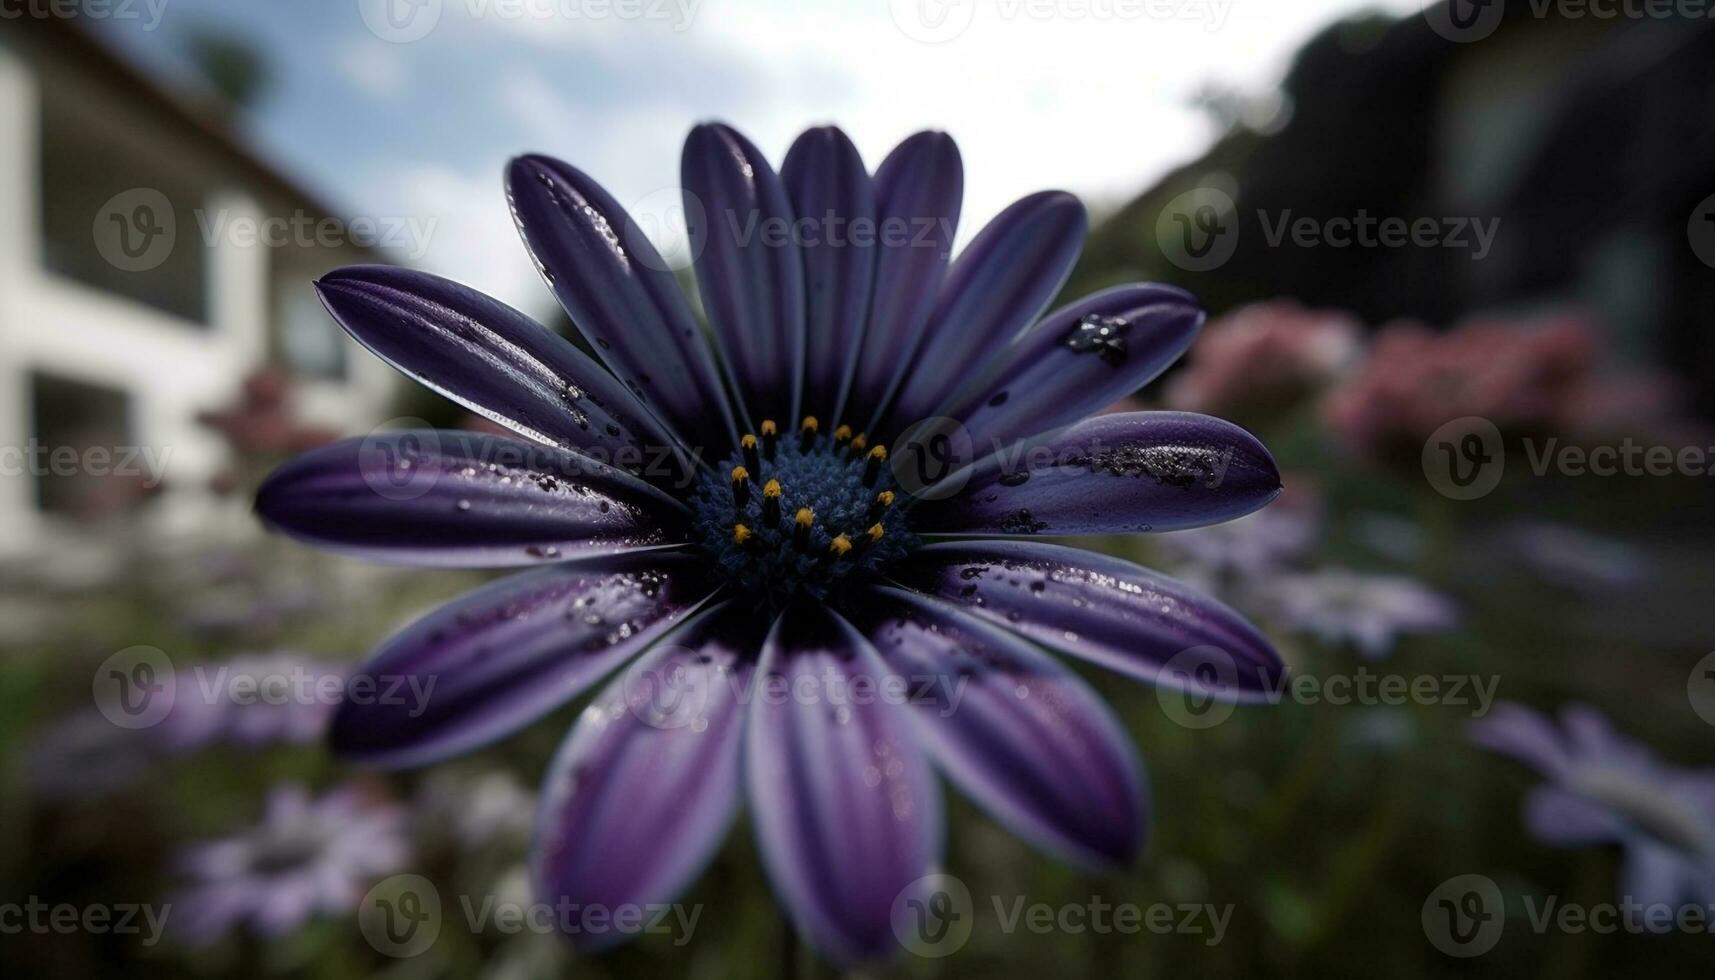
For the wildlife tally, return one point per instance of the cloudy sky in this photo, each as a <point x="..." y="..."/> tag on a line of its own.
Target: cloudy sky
<point x="409" y="108"/>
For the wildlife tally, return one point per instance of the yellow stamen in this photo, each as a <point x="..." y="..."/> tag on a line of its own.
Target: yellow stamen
<point x="801" y="533"/>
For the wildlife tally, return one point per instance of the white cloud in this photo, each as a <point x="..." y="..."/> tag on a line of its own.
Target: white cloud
<point x="377" y="69"/>
<point x="474" y="241"/>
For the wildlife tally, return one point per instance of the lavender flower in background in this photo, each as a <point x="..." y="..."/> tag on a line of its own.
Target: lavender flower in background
<point x="1604" y="788"/>
<point x="253" y="700"/>
<point x="1239" y="553"/>
<point x="771" y="537"/>
<point x="1370" y="611"/>
<point x="240" y="608"/>
<point x="250" y="701"/>
<point x="1575" y="559"/>
<point x="84" y="756"/>
<point x="476" y="808"/>
<point x="307" y="857"/>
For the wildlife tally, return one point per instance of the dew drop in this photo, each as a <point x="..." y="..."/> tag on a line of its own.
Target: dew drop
<point x="1104" y="336"/>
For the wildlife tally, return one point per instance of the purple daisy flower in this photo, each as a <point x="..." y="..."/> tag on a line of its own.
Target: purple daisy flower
<point x="1605" y="788"/>
<point x="253" y="700"/>
<point x="306" y="857"/>
<point x="684" y="517"/>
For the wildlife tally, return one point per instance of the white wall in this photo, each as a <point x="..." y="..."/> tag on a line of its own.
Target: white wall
<point x="18" y="252"/>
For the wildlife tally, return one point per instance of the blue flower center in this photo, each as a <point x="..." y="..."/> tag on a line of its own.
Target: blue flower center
<point x="801" y="514"/>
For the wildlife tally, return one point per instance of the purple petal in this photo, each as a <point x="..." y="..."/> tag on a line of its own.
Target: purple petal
<point x="1017" y="731"/>
<point x="460" y="499"/>
<point x="1558" y="816"/>
<point x="1138" y="471"/>
<point x="621" y="295"/>
<point x="749" y="274"/>
<point x="846" y="811"/>
<point x="1653" y="874"/>
<point x="642" y="792"/>
<point x="495" y="361"/>
<point x="1079" y="359"/>
<point x="918" y="192"/>
<point x="1102" y="609"/>
<point x="1525" y="735"/>
<point x="491" y="662"/>
<point x="999" y="285"/>
<point x="831" y="191"/>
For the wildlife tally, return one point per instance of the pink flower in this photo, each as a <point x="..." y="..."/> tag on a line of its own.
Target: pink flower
<point x="1264" y="358"/>
<point x="1525" y="378"/>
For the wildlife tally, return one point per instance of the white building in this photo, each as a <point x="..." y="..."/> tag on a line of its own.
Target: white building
<point x="133" y="297"/>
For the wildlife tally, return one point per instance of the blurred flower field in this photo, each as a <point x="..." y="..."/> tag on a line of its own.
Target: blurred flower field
<point x="1305" y="837"/>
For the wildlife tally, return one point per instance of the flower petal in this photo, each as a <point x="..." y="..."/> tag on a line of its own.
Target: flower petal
<point x="642" y="792"/>
<point x="494" y="360"/>
<point x="1136" y="471"/>
<point x="1003" y="280"/>
<point x="1525" y="735"/>
<point x="621" y="295"/>
<point x="1103" y="609"/>
<point x="1652" y="874"/>
<point x="847" y="814"/>
<point x="750" y="274"/>
<point x="1079" y="359"/>
<point x="1017" y="731"/>
<point x="494" y="660"/>
<point x="1558" y="816"/>
<point x="919" y="188"/>
<point x="460" y="499"/>
<point x="831" y="190"/>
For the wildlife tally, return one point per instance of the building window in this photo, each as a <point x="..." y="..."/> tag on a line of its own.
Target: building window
<point x="107" y="204"/>
<point x="308" y="340"/>
<point x="82" y="439"/>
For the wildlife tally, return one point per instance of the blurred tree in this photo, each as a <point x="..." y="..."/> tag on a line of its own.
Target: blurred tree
<point x="233" y="67"/>
<point x="1585" y="144"/>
